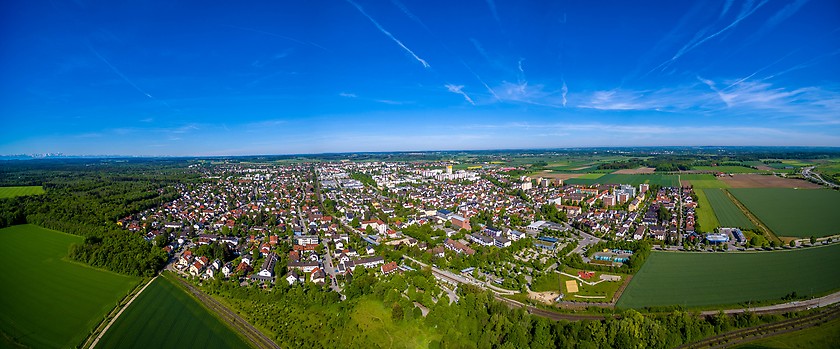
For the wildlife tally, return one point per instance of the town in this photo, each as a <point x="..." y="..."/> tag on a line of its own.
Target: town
<point x="315" y="223"/>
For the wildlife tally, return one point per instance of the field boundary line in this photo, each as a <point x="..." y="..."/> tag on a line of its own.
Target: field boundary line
<point x="758" y="223"/>
<point x="105" y="330"/>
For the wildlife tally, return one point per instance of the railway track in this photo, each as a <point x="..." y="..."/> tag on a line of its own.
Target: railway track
<point x="767" y="330"/>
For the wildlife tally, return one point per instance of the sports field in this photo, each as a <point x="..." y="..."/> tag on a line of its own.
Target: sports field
<point x="728" y="215"/>
<point x="632" y="179"/>
<point x="165" y="316"/>
<point x="794" y="212"/>
<point x="703" y="279"/>
<point x="47" y="301"/>
<point x="10" y="192"/>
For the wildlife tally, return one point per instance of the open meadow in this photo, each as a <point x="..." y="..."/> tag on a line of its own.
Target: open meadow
<point x="794" y="212"/>
<point x="704" y="279"/>
<point x="10" y="192"/>
<point x="727" y="213"/>
<point x="164" y="315"/>
<point x="48" y="301"/>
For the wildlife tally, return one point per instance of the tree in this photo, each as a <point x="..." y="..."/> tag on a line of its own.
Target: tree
<point x="813" y="240"/>
<point x="792" y="243"/>
<point x="397" y="312"/>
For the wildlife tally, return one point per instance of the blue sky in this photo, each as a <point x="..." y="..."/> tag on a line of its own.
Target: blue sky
<point x="286" y="77"/>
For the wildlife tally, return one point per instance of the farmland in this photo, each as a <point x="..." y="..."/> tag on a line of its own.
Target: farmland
<point x="166" y="316"/>
<point x="654" y="179"/>
<point x="727" y="213"/>
<point x="766" y="181"/>
<point x="10" y="192"/>
<point x="706" y="217"/>
<point x="48" y="301"/>
<point x="727" y="169"/>
<point x="704" y="279"/>
<point x="794" y="212"/>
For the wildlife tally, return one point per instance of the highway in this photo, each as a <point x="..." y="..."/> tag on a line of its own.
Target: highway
<point x="806" y="172"/>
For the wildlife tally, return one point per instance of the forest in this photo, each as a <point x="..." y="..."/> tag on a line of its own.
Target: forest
<point x="87" y="199"/>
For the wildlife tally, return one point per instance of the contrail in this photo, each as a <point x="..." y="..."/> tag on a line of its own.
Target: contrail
<point x="564" y="91"/>
<point x="117" y="71"/>
<point x="278" y="35"/>
<point x="387" y="33"/>
<point x="459" y="90"/>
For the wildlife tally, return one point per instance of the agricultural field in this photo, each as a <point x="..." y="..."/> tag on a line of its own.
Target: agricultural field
<point x="727" y="169"/>
<point x="164" y="315"/>
<point x="702" y="181"/>
<point x="706" y="218"/>
<point x="766" y="181"/>
<point x="794" y="212"/>
<point x="727" y="213"/>
<point x="48" y="301"/>
<point x="10" y="192"/>
<point x="705" y="279"/>
<point x="829" y="171"/>
<point x="654" y="179"/>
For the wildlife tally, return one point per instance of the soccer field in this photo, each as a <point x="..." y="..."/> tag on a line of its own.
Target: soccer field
<point x="703" y="279"/>
<point x="47" y="301"/>
<point x="165" y="316"/>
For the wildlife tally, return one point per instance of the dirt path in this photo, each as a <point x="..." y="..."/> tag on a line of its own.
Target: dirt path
<point x="95" y="341"/>
<point x="752" y="217"/>
<point x="257" y="338"/>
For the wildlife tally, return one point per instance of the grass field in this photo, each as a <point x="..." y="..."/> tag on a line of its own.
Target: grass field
<point x="824" y="336"/>
<point x="10" y="192"/>
<point x="703" y="279"/>
<point x="659" y="179"/>
<point x="705" y="214"/>
<point x="374" y="323"/>
<point x="165" y="316"/>
<point x="47" y="301"/>
<point x="728" y="215"/>
<point x="794" y="212"/>
<point x="556" y="282"/>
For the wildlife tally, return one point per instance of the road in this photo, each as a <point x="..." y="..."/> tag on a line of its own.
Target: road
<point x="806" y="172"/>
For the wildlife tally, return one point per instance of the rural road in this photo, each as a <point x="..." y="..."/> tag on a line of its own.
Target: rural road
<point x="95" y="341"/>
<point x="806" y="172"/>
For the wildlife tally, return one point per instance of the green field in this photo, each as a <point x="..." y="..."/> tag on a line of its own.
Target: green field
<point x="46" y="300"/>
<point x="727" y="169"/>
<point x="632" y="179"/>
<point x="165" y="316"/>
<point x="704" y="279"/>
<point x="727" y="213"/>
<point x="824" y="336"/>
<point x="10" y="192"/>
<point x="702" y="181"/>
<point x="794" y="212"/>
<point x="705" y="215"/>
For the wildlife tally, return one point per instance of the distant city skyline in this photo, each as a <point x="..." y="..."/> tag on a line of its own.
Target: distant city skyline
<point x="198" y="79"/>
